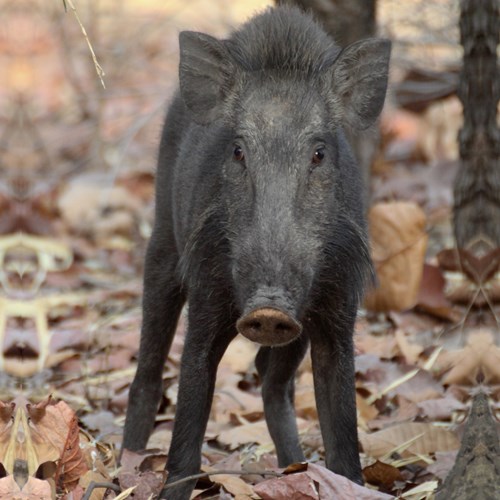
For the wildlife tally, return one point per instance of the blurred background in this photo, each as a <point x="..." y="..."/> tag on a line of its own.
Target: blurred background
<point x="77" y="165"/>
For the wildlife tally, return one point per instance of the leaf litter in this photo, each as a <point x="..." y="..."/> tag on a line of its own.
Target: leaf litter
<point x="74" y="223"/>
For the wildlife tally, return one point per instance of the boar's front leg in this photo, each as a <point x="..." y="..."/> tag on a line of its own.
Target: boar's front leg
<point x="277" y="367"/>
<point x="332" y="353"/>
<point x="162" y="304"/>
<point x="211" y="328"/>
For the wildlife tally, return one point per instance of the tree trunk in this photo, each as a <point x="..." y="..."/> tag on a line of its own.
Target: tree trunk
<point x="477" y="185"/>
<point x="347" y="21"/>
<point x="476" y="473"/>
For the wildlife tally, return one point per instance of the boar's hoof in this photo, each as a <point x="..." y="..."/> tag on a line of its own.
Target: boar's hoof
<point x="269" y="327"/>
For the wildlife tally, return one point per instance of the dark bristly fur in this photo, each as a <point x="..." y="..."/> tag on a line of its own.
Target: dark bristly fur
<point x="282" y="40"/>
<point x="259" y="208"/>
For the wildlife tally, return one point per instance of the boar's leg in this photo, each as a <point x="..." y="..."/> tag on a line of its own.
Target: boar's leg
<point x="277" y="367"/>
<point x="162" y="304"/>
<point x="211" y="328"/>
<point x="332" y="354"/>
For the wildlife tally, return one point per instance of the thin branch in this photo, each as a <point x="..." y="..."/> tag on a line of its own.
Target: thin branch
<point x="98" y="68"/>
<point x="93" y="485"/>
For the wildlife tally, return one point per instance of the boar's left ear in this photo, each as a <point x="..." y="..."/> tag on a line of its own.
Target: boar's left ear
<point x="359" y="77"/>
<point x="205" y="74"/>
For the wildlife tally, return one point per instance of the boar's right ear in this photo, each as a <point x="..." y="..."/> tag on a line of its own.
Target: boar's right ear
<point x="360" y="81"/>
<point x="205" y="73"/>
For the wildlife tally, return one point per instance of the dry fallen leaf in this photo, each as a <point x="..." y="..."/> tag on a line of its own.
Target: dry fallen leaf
<point x="233" y="484"/>
<point x="431" y="296"/>
<point x="315" y="483"/>
<point x="480" y="358"/>
<point x="439" y="129"/>
<point x="240" y="354"/>
<point x="255" y="432"/>
<point x="422" y="438"/>
<point x="408" y="349"/>
<point x="57" y="424"/>
<point x="34" y="489"/>
<point x="399" y="241"/>
<point x="43" y="433"/>
<point x="292" y="487"/>
<point x="382" y="474"/>
<point x="147" y="484"/>
<point x="92" y="204"/>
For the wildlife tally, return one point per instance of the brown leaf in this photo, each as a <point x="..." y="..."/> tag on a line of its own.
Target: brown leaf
<point x="233" y="484"/>
<point x="425" y="438"/>
<point x="296" y="467"/>
<point x="431" y="296"/>
<point x="255" y="432"/>
<point x="382" y="474"/>
<point x="410" y="351"/>
<point x="247" y="433"/>
<point x="383" y="346"/>
<point x="365" y="411"/>
<point x="18" y="442"/>
<point x="292" y="487"/>
<point x="443" y="464"/>
<point x="440" y="408"/>
<point x="34" y="489"/>
<point x="240" y="354"/>
<point x="57" y="424"/>
<point x="480" y="358"/>
<point x="93" y="476"/>
<point x="315" y="483"/>
<point x="148" y="484"/>
<point x="399" y="241"/>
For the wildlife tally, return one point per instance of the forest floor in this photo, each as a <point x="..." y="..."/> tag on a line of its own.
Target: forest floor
<point x="77" y="166"/>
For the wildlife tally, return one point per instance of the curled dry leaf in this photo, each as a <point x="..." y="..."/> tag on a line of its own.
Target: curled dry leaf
<point x="19" y="442"/>
<point x="399" y="241"/>
<point x="41" y="433"/>
<point x="57" y="424"/>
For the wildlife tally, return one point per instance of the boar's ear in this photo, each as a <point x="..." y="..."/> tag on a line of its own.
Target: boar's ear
<point x="205" y="75"/>
<point x="360" y="81"/>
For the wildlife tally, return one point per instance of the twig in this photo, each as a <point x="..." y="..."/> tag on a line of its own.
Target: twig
<point x="98" y="68"/>
<point x="93" y="485"/>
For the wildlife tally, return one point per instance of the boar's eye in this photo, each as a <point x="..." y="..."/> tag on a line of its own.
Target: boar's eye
<point x="238" y="154"/>
<point x="318" y="156"/>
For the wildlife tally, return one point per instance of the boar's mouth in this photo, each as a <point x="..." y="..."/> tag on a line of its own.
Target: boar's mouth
<point x="269" y="326"/>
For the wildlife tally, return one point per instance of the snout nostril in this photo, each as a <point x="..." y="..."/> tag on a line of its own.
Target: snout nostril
<point x="269" y="326"/>
<point x="283" y="327"/>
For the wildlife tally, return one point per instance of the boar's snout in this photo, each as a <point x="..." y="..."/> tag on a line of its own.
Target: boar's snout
<point x="269" y="326"/>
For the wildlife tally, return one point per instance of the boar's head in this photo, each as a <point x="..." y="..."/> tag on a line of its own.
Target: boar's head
<point x="291" y="189"/>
